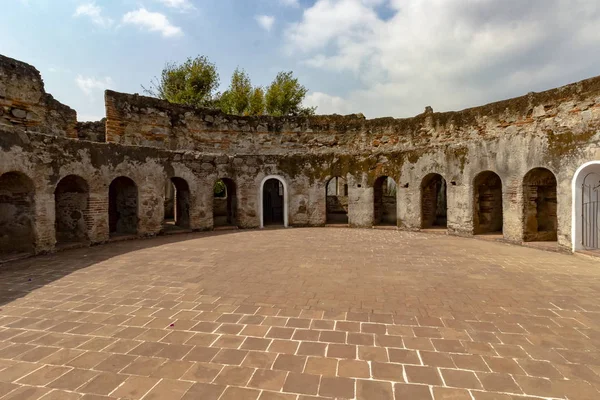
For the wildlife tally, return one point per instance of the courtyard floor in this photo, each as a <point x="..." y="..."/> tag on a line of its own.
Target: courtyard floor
<point x="301" y="314"/>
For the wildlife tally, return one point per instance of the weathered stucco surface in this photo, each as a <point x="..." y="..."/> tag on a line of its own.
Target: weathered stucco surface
<point x="150" y="141"/>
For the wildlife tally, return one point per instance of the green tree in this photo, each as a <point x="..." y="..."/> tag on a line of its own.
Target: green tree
<point x="257" y="101"/>
<point x="220" y="189"/>
<point x="236" y="99"/>
<point x="241" y="98"/>
<point x="193" y="83"/>
<point x="285" y="95"/>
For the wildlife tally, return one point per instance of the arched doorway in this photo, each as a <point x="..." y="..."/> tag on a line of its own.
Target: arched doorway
<point x="539" y="206"/>
<point x="434" y="204"/>
<point x="586" y="207"/>
<point x="384" y="199"/>
<point x="336" y="200"/>
<point x="17" y="214"/>
<point x="273" y="199"/>
<point x="71" y="204"/>
<point x="177" y="204"/>
<point x="487" y="203"/>
<point x="224" y="203"/>
<point x="122" y="206"/>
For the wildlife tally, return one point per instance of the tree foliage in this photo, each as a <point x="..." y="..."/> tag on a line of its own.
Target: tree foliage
<point x="220" y="189"/>
<point x="193" y="83"/>
<point x="241" y="98"/>
<point x="196" y="81"/>
<point x="285" y="95"/>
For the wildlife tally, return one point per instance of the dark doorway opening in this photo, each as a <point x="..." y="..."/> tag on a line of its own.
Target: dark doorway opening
<point x="177" y="205"/>
<point x="225" y="203"/>
<point x="434" y="204"/>
<point x="336" y="198"/>
<point x="17" y="214"/>
<point x="273" y="207"/>
<point x="384" y="198"/>
<point x="487" y="202"/>
<point x="540" y="206"/>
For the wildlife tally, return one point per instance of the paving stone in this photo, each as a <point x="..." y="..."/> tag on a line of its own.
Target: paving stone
<point x="460" y="379"/>
<point x="341" y="388"/>
<point x="73" y="379"/>
<point x="202" y="372"/>
<point x="103" y="384"/>
<point x="387" y="372"/>
<point x="43" y="376"/>
<point x="354" y="369"/>
<point x="135" y="387"/>
<point x="426" y="375"/>
<point x="441" y="393"/>
<point x="290" y="363"/>
<point x="373" y="390"/>
<point x="404" y="356"/>
<point x="268" y="379"/>
<point x="301" y="383"/>
<point x="407" y="391"/>
<point x="498" y="382"/>
<point x="322" y="366"/>
<point x="235" y="393"/>
<point x="204" y="391"/>
<point x="234" y="376"/>
<point x="168" y="389"/>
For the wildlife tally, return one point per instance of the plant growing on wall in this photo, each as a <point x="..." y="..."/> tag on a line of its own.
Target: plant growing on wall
<point x="193" y="83"/>
<point x="196" y="81"/>
<point x="285" y="95"/>
<point x="241" y="98"/>
<point x="220" y="189"/>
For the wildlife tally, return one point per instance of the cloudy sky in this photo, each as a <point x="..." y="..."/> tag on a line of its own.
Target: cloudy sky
<point x="378" y="57"/>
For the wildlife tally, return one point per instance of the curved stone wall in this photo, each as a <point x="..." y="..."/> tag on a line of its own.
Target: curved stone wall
<point x="150" y="141"/>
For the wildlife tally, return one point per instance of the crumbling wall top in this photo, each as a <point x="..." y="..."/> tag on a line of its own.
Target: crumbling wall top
<point x="25" y="105"/>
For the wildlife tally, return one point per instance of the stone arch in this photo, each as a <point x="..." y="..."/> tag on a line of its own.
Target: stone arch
<point x="71" y="204"/>
<point x="273" y="201"/>
<point x="17" y="213"/>
<point x="225" y="203"/>
<point x="487" y="203"/>
<point x="177" y="204"/>
<point x="434" y="203"/>
<point x="540" y="221"/>
<point x="585" y="223"/>
<point x="385" y="201"/>
<point x="123" y="206"/>
<point x="336" y="201"/>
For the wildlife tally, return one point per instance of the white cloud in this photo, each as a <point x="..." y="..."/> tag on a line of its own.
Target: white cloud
<point x="327" y="104"/>
<point x="89" y="85"/>
<point x="265" y="21"/>
<point x="94" y="12"/>
<point x="152" y="21"/>
<point x="182" y="5"/>
<point x="446" y="53"/>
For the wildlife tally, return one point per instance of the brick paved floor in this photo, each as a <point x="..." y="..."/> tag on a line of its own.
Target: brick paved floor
<point x="301" y="314"/>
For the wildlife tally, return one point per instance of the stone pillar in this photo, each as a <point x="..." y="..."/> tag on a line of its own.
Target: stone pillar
<point x="97" y="221"/>
<point x="360" y="202"/>
<point x="460" y="209"/>
<point x="44" y="222"/>
<point x="151" y="208"/>
<point x="513" y="209"/>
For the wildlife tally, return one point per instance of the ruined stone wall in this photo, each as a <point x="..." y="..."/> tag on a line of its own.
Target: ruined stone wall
<point x="25" y="106"/>
<point x="93" y="131"/>
<point x="139" y="120"/>
<point x="150" y="142"/>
